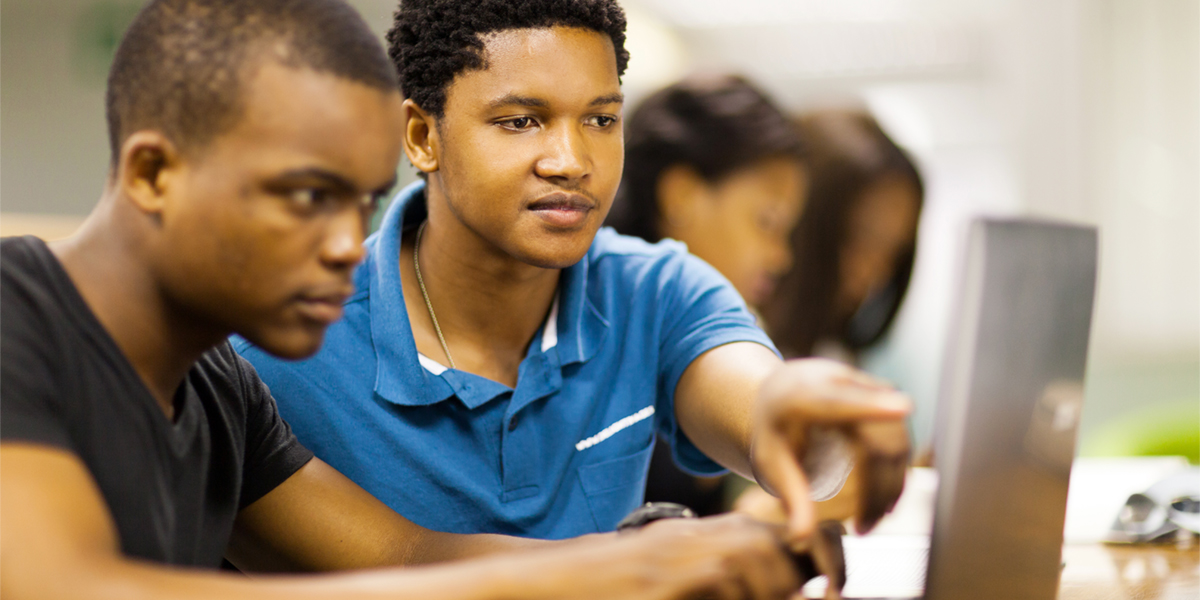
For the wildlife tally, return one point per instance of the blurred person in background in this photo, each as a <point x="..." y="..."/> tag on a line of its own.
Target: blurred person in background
<point x="854" y="245"/>
<point x="712" y="162"/>
<point x="853" y="258"/>
<point x="851" y="253"/>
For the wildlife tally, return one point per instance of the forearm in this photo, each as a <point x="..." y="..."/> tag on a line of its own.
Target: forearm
<point x="437" y="547"/>
<point x="714" y="402"/>
<point x="122" y="579"/>
<point x="344" y="528"/>
<point x="388" y="545"/>
<point x="601" y="566"/>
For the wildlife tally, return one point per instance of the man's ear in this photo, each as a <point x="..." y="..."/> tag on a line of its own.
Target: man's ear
<point x="679" y="192"/>
<point x="421" y="141"/>
<point x="146" y="159"/>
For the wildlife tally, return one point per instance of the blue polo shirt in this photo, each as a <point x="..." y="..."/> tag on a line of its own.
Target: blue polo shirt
<point x="564" y="453"/>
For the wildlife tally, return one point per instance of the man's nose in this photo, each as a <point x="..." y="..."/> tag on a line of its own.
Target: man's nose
<point x="343" y="245"/>
<point x="567" y="156"/>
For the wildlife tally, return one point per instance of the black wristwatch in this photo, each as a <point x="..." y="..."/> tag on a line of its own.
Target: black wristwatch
<point x="830" y="531"/>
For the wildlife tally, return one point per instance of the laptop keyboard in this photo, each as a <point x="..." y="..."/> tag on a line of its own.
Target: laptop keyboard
<point x="880" y="567"/>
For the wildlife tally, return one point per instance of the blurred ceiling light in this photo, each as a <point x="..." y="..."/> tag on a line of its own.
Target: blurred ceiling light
<point x="701" y="14"/>
<point x="848" y="50"/>
<point x="831" y="39"/>
<point x="657" y="55"/>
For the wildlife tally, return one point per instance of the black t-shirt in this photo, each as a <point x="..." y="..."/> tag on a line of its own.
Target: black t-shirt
<point x="173" y="488"/>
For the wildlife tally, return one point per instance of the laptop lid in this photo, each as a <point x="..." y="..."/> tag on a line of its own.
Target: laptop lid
<point x="1009" y="405"/>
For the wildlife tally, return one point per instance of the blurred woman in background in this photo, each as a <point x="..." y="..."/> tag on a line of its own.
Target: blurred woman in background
<point x="854" y="251"/>
<point x="855" y="244"/>
<point x="710" y="161"/>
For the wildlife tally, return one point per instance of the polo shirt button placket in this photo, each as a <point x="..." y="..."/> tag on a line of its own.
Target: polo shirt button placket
<point x="512" y="423"/>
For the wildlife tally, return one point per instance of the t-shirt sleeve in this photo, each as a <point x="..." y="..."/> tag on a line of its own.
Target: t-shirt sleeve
<point x="29" y="395"/>
<point x="700" y="310"/>
<point x="273" y="454"/>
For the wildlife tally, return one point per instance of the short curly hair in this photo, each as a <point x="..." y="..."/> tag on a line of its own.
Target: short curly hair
<point x="182" y="66"/>
<point x="432" y="41"/>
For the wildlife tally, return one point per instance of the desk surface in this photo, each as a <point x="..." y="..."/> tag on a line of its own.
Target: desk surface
<point x="1107" y="572"/>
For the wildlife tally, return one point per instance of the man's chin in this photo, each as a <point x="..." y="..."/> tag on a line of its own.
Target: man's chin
<point x="294" y="345"/>
<point x="558" y="251"/>
<point x="554" y="260"/>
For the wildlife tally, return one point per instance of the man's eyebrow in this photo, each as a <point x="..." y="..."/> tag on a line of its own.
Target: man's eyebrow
<point x="331" y="179"/>
<point x="617" y="98"/>
<point x="531" y="102"/>
<point x="518" y="100"/>
<point x="328" y="177"/>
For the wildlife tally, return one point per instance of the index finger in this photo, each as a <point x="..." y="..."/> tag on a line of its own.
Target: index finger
<point x="849" y="404"/>
<point x="777" y="464"/>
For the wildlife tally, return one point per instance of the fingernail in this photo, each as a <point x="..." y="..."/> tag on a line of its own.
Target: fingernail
<point x="894" y="402"/>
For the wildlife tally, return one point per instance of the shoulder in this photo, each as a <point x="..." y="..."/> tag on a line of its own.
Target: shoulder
<point x="36" y="294"/>
<point x="610" y="244"/>
<point x="15" y="250"/>
<point x="615" y="257"/>
<point x="222" y="360"/>
<point x="621" y="260"/>
<point x="40" y="346"/>
<point x="23" y="264"/>
<point x="224" y="373"/>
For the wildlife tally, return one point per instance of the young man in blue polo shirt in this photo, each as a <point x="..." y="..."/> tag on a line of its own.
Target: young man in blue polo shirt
<point x="505" y="365"/>
<point x="137" y="450"/>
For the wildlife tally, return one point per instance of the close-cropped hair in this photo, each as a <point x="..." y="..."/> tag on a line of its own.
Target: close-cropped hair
<point x="715" y="124"/>
<point x="183" y="65"/>
<point x="432" y="41"/>
<point x="848" y="154"/>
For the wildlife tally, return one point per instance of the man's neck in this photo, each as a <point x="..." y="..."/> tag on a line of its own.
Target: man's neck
<point x="118" y="286"/>
<point x="489" y="305"/>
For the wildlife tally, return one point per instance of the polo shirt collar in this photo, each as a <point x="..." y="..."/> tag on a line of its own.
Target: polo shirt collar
<point x="549" y="340"/>
<point x="582" y="326"/>
<point x="400" y="378"/>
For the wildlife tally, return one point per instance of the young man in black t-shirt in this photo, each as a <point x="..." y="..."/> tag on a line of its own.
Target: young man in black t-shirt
<point x="249" y="141"/>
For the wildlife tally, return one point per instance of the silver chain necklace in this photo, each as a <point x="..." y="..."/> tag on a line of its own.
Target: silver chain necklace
<point x="425" y="294"/>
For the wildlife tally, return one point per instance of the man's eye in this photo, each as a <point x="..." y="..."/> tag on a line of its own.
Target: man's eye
<point x="308" y="197"/>
<point x="603" y="121"/>
<point x="370" y="202"/>
<point x="518" y="123"/>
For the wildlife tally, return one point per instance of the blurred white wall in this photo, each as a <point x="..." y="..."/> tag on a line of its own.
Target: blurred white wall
<point x="1083" y="110"/>
<point x="54" y="57"/>
<point x="1087" y="110"/>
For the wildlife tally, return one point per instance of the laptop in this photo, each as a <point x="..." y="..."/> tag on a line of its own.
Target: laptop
<point x="1008" y="408"/>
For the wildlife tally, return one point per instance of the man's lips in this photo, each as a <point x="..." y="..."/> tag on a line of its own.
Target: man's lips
<point x="323" y="307"/>
<point x="563" y="210"/>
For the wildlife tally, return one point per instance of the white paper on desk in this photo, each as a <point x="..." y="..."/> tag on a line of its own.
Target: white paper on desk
<point x="880" y="566"/>
<point x="1100" y="487"/>
<point x="890" y="561"/>
<point x="913" y="513"/>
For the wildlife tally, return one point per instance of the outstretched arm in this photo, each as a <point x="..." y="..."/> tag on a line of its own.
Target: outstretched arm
<point x="319" y="520"/>
<point x="59" y="542"/>
<point x="759" y="416"/>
